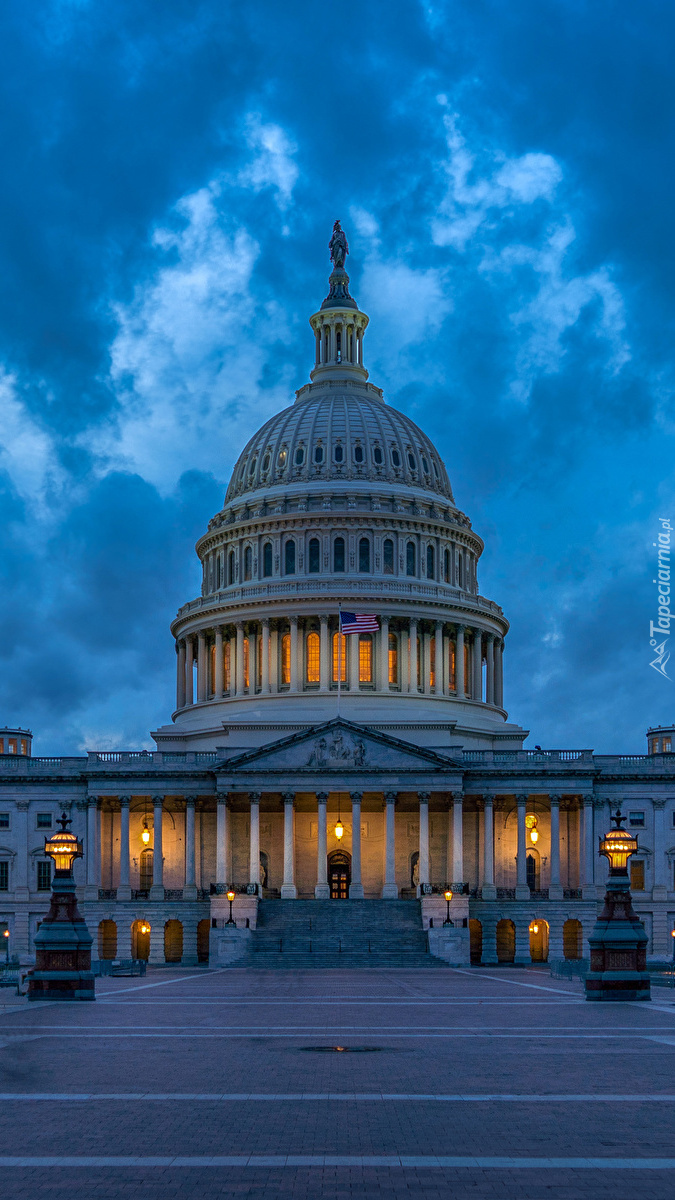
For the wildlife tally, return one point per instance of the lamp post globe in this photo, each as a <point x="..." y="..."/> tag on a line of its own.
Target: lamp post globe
<point x="62" y="943"/>
<point x="448" y="897"/>
<point x="618" y="943"/>
<point x="230" y="896"/>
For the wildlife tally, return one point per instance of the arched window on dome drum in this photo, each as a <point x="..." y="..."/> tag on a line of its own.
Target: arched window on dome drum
<point x="247" y="673"/>
<point x="432" y="662"/>
<point x="339" y="554"/>
<point x="289" y="558"/>
<point x="393" y="658"/>
<point x="267" y="560"/>
<point x="446" y="566"/>
<point x="364" y="554"/>
<point x="286" y="660"/>
<point x="248" y="563"/>
<point x="230" y="568"/>
<point x="388" y="557"/>
<point x="339" y="657"/>
<point x="431" y="566"/>
<point x="313" y="658"/>
<point x="226" y="665"/>
<point x="365" y="658"/>
<point x="314" y="556"/>
<point x="452" y="651"/>
<point x="410" y="565"/>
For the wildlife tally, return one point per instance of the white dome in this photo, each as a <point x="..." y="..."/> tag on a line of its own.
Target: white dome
<point x="339" y="431"/>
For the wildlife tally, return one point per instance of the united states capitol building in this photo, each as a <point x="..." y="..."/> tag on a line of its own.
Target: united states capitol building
<point x="313" y="772"/>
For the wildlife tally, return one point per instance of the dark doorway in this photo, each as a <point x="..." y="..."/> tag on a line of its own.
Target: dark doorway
<point x="339" y="875"/>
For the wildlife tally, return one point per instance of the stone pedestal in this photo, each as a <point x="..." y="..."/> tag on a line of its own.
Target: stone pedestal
<point x="618" y="948"/>
<point x="63" y="950"/>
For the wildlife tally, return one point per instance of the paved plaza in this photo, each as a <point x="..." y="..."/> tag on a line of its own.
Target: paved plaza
<point x="205" y="1083"/>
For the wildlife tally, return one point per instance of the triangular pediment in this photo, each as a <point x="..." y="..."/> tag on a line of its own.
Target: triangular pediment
<point x="340" y="745"/>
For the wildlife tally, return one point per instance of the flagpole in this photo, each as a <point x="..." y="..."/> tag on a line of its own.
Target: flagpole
<point x="339" y="653"/>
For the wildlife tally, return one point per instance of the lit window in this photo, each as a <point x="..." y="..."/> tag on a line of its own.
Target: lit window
<point x="286" y="659"/>
<point x="289" y="558"/>
<point x="364" y="555"/>
<point x="410" y="559"/>
<point x="339" y="657"/>
<point x="432" y="662"/>
<point x="44" y="876"/>
<point x="4" y="876"/>
<point x="339" y="554"/>
<point x="636" y="818"/>
<point x="248" y="563"/>
<point x="313" y="657"/>
<point x="283" y="454"/>
<point x="637" y="876"/>
<point x="393" y="658"/>
<point x="2" y="745"/>
<point x="11" y="746"/>
<point x="452" y="650"/>
<point x="44" y="820"/>
<point x="314" y="556"/>
<point x="267" y="560"/>
<point x="388" y="557"/>
<point x="246" y="662"/>
<point x="365" y="658"/>
<point x="226" y="665"/>
<point x="667" y="745"/>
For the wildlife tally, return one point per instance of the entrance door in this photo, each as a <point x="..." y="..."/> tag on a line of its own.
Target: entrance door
<point x="339" y="875"/>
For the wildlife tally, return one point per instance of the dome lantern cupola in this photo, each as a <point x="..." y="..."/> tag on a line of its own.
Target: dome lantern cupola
<point x="339" y="325"/>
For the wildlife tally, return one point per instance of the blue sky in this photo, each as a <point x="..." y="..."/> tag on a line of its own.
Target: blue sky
<point x="504" y="173"/>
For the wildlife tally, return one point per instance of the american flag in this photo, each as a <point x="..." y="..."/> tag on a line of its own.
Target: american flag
<point x="358" y="622"/>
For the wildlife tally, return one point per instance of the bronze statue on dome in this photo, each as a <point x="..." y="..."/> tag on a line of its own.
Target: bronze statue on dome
<point x="338" y="246"/>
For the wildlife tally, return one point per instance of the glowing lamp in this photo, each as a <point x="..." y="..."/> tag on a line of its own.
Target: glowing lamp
<point x="617" y="846"/>
<point x="145" y="835"/>
<point x="448" y="897"/>
<point x="63" y="847"/>
<point x="230" y="895"/>
<point x="535" y="928"/>
<point x="339" y="829"/>
<point x="145" y="928"/>
<point x="534" y="836"/>
<point x="530" y="821"/>
<point x="5" y="933"/>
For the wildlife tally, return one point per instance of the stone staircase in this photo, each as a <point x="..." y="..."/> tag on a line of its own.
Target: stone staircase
<point x="339" y="933"/>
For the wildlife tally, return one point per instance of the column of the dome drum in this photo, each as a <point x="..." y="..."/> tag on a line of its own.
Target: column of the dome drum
<point x="265" y="656"/>
<point x="440" y="659"/>
<point x="180" y="674"/>
<point x="404" y="642"/>
<point x="490" y="674"/>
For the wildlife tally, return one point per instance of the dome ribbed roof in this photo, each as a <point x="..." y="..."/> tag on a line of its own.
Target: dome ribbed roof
<point x="338" y="432"/>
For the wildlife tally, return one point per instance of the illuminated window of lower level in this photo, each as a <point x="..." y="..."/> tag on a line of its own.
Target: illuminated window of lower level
<point x="452" y="651"/>
<point x="365" y="658"/>
<point x="432" y="662"/>
<point x="393" y="658"/>
<point x="339" y="657"/>
<point x="226" y="666"/>
<point x="247" y="673"/>
<point x="313" y="658"/>
<point x="286" y="659"/>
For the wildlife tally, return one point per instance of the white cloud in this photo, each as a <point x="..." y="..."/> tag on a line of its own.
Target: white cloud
<point x="273" y="165"/>
<point x="27" y="452"/>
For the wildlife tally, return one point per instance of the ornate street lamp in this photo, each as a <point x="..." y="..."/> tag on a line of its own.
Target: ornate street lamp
<point x="230" y="895"/>
<point x="62" y="943"/>
<point x="618" y="942"/>
<point x="448" y="898"/>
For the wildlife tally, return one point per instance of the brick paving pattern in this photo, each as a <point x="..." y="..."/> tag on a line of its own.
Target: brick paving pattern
<point x="477" y="1083"/>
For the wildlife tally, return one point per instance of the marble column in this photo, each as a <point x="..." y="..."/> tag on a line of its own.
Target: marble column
<point x="555" y="891"/>
<point x="265" y="655"/>
<point x="239" y="665"/>
<point x="477" y="663"/>
<point x="288" y="888"/>
<point x="659" y="891"/>
<point x="602" y="811"/>
<point x="499" y="673"/>
<point x="490" y="676"/>
<point x="413" y="656"/>
<point x="189" y="671"/>
<point x="522" y="890"/>
<point x="218" y="672"/>
<point x="404" y="668"/>
<point x="124" y="888"/>
<point x="21" y="888"/>
<point x="91" y="850"/>
<point x="157" y="889"/>
<point x="222" y="843"/>
<point x="460" y="682"/>
<point x="324" y="654"/>
<point x="322" y="890"/>
<point x="426" y="662"/>
<point x="180" y="674"/>
<point x="384" y="655"/>
<point x="488" y="889"/>
<point x="457" y="881"/>
<point x="586" y="865"/>
<point x="353" y="658"/>
<point x="390" y="890"/>
<point x="201" y="666"/>
<point x="423" y="798"/>
<point x="254" y="842"/>
<point x="190" y="886"/>
<point x="438" y="663"/>
<point x="356" y="886"/>
<point x="294" y="654"/>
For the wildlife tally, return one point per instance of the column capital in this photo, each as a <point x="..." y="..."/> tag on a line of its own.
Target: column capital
<point x="322" y="797"/>
<point x="239" y="626"/>
<point x="265" y="622"/>
<point x="288" y="797"/>
<point x="522" y="798"/>
<point x="658" y="802"/>
<point x="390" y="797"/>
<point x="424" y="797"/>
<point x="488" y="798"/>
<point x="554" y="799"/>
<point x="190" y="801"/>
<point x="293" y="619"/>
<point x="323" y="617"/>
<point x="222" y="797"/>
<point x="22" y="805"/>
<point x="125" y="801"/>
<point x="490" y="635"/>
<point x="589" y="798"/>
<point x="356" y="796"/>
<point x="254" y="797"/>
<point x="455" y="797"/>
